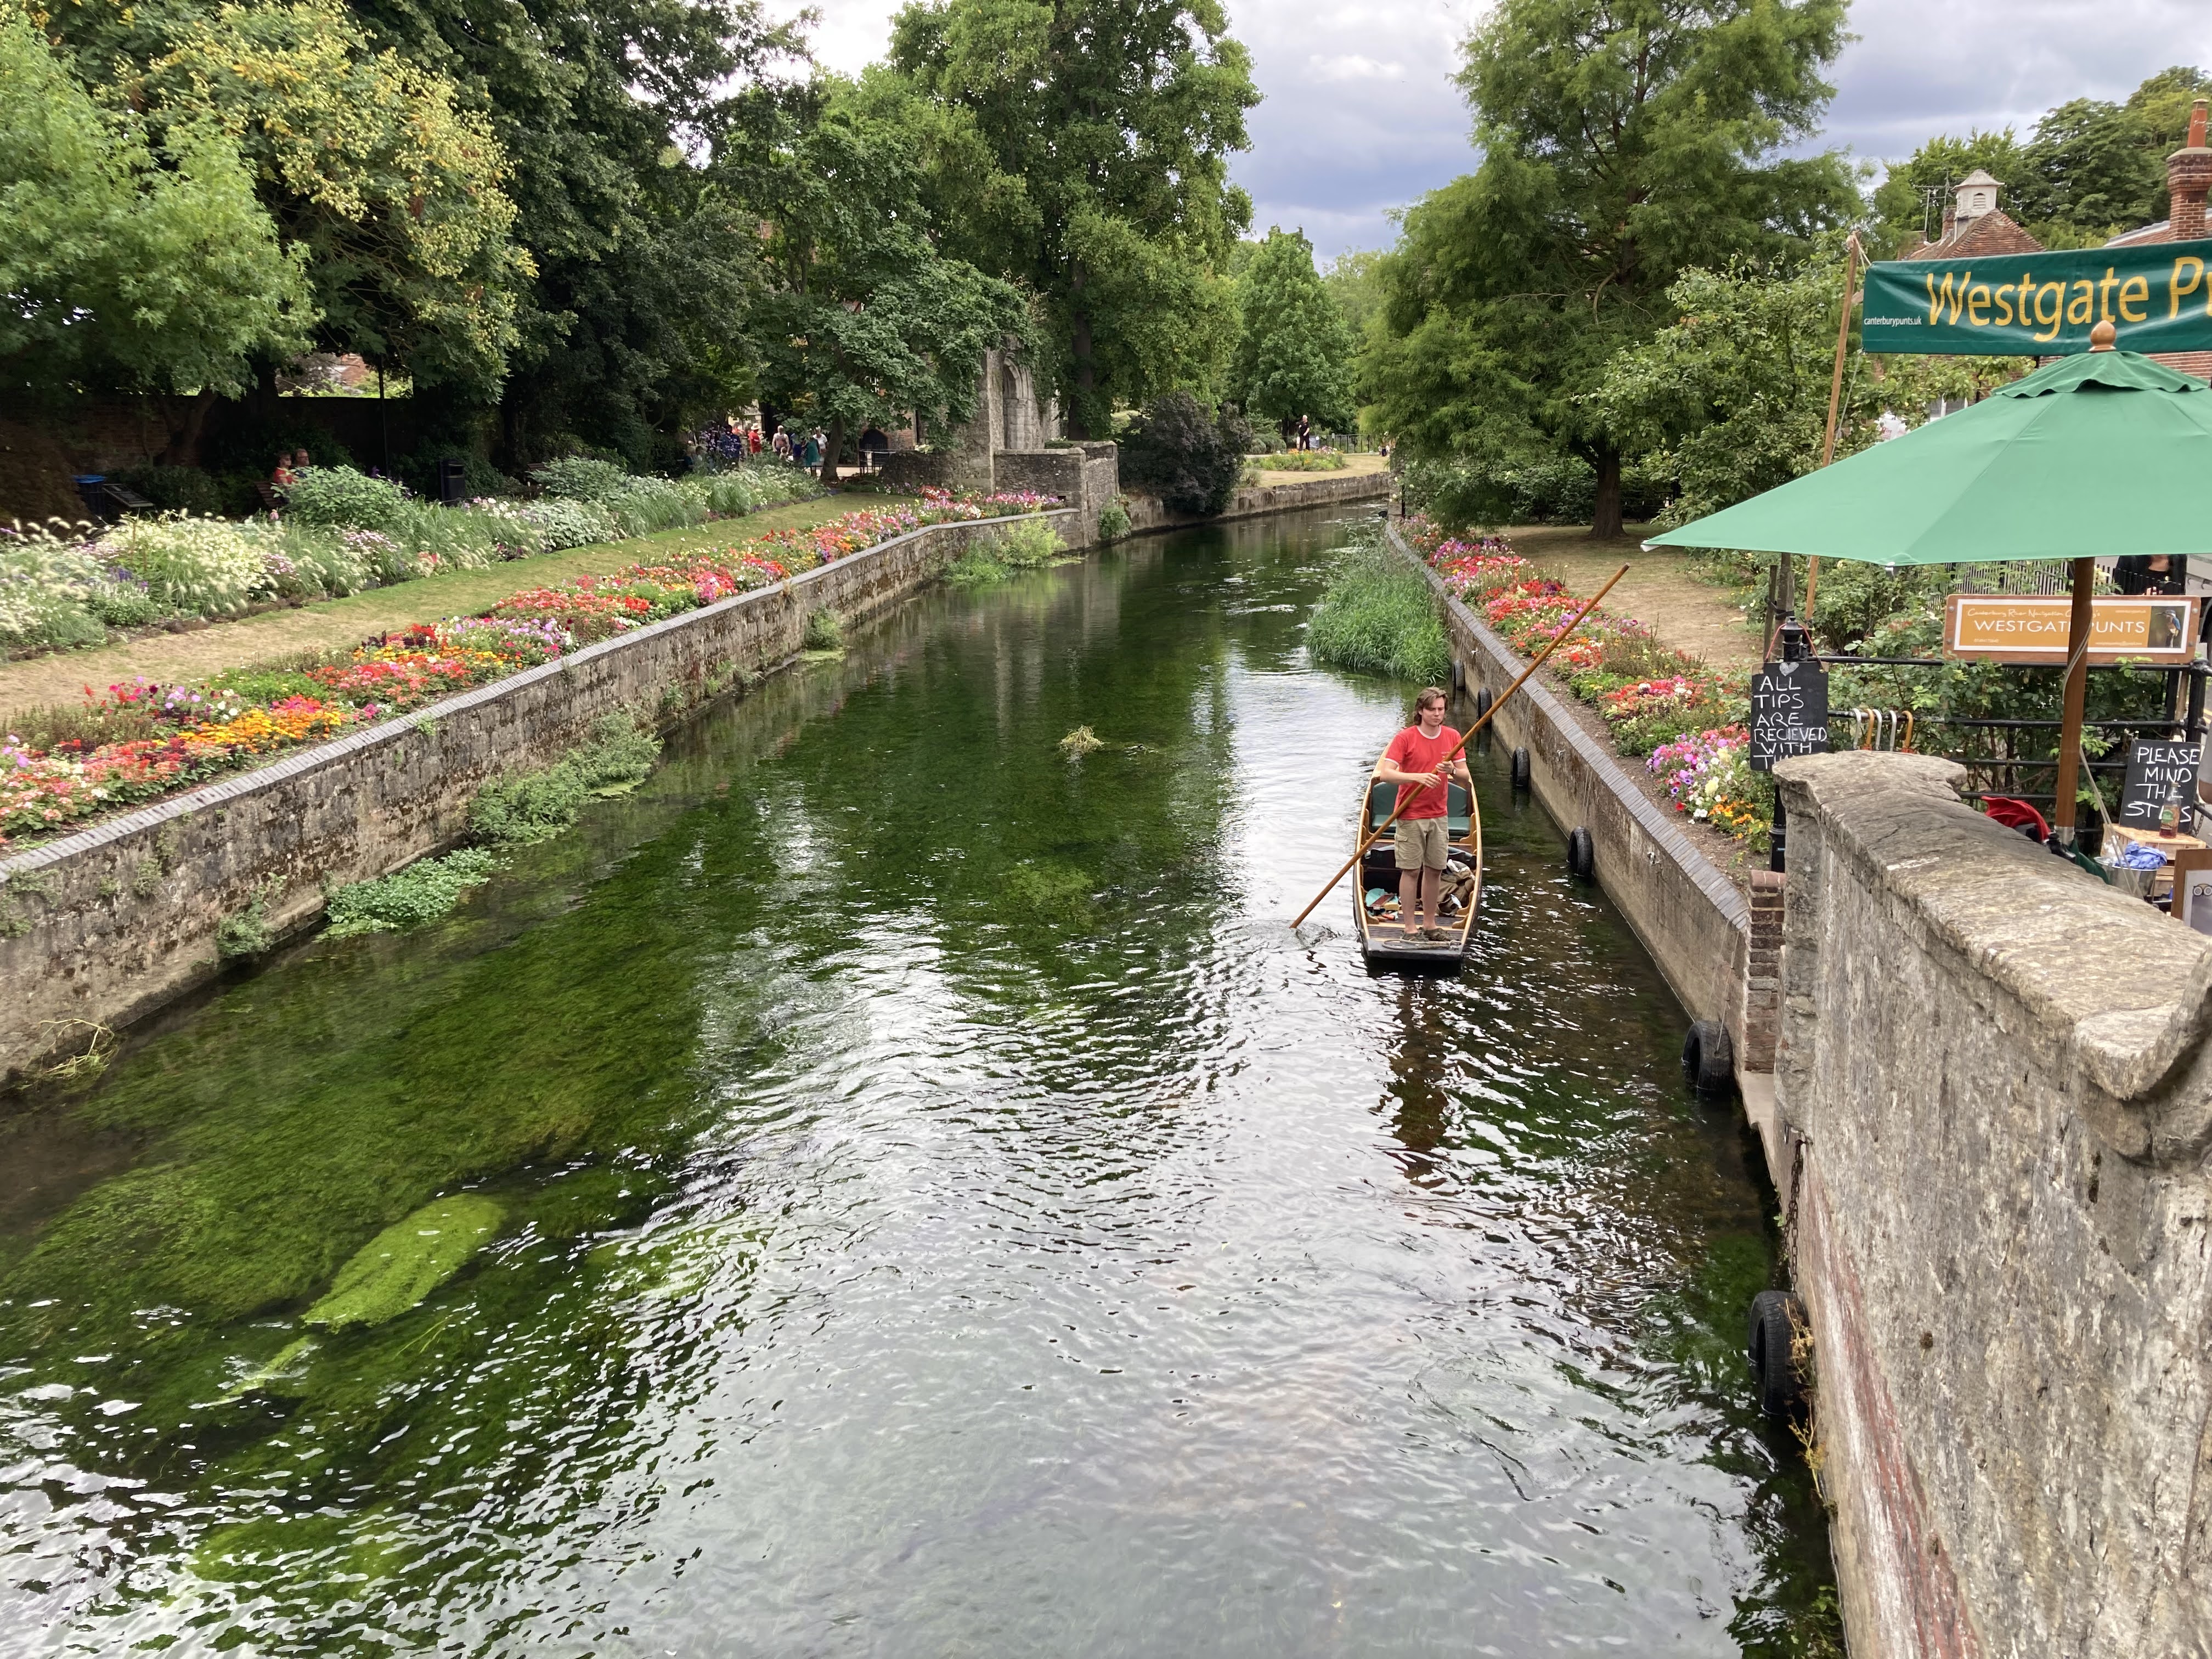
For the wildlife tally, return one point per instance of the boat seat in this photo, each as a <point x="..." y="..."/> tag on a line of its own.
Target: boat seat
<point x="1383" y="800"/>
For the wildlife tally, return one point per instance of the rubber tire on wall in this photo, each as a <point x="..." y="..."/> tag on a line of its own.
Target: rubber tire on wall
<point x="1582" y="856"/>
<point x="1482" y="701"/>
<point x="1709" y="1058"/>
<point x="1520" y="769"/>
<point x="1775" y="1315"/>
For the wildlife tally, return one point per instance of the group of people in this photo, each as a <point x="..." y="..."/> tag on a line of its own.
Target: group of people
<point x="733" y="442"/>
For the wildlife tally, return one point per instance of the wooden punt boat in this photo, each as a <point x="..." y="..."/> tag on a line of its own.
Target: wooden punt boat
<point x="1382" y="941"/>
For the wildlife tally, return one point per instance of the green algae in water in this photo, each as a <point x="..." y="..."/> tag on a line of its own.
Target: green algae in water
<point x="403" y="1264"/>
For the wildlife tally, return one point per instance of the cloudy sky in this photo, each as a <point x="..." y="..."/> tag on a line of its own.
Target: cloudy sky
<point x="1360" y="116"/>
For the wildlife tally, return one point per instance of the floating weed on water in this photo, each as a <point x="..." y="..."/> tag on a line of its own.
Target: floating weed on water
<point x="421" y="893"/>
<point x="407" y="1261"/>
<point x="1080" y="742"/>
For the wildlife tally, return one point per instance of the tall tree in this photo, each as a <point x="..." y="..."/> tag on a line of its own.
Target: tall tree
<point x="1622" y="142"/>
<point x="2089" y="170"/>
<point x="126" y="263"/>
<point x="635" y="322"/>
<point x="1294" y="355"/>
<point x="1106" y="127"/>
<point x="864" y="322"/>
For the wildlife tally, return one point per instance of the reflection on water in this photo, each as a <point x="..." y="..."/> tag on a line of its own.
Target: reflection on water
<point x="939" y="1206"/>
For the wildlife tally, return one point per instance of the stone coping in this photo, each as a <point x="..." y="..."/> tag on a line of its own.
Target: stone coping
<point x="322" y="754"/>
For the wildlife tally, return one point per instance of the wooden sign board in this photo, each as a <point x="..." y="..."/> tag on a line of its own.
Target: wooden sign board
<point x="1789" y="712"/>
<point x="2160" y="769"/>
<point x="2032" y="628"/>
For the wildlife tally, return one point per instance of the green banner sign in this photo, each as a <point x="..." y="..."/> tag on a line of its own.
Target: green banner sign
<point x="2158" y="296"/>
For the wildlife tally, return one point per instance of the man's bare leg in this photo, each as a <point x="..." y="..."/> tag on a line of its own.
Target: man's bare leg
<point x="1432" y="882"/>
<point x="1409" y="901"/>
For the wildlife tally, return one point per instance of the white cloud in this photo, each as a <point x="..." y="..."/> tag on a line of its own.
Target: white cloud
<point x="1360" y="114"/>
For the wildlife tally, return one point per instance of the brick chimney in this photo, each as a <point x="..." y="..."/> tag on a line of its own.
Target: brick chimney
<point x="2188" y="175"/>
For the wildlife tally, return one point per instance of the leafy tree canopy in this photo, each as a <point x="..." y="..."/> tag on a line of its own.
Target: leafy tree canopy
<point x="635" y="324"/>
<point x="864" y="321"/>
<point x="1732" y="399"/>
<point x="1623" y="141"/>
<point x="1081" y="149"/>
<point x="2090" y="169"/>
<point x="1294" y="355"/>
<point x="128" y="262"/>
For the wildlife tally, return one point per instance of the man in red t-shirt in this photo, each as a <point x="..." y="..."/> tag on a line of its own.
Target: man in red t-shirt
<point x="1415" y="762"/>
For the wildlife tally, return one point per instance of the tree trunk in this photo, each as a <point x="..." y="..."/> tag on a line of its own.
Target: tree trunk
<point x="831" y="450"/>
<point x="1086" y="378"/>
<point x="1605" y="521"/>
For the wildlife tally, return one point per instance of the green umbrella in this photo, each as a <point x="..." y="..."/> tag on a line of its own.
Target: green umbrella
<point x="2101" y="454"/>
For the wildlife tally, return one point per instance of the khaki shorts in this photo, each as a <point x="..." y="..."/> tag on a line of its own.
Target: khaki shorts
<point x="1422" y="843"/>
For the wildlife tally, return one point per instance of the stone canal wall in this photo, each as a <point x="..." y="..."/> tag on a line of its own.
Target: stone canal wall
<point x="1695" y="920"/>
<point x="107" y="924"/>
<point x="1998" y="1096"/>
<point x="1254" y="501"/>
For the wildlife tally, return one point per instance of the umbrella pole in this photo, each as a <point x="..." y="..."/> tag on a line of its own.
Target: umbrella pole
<point x="2077" y="693"/>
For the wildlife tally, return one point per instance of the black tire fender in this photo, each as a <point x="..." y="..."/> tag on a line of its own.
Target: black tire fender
<point x="1709" y="1058"/>
<point x="1776" y="1318"/>
<point x="1581" y="854"/>
<point x="1520" y="769"/>
<point x="1483" y="702"/>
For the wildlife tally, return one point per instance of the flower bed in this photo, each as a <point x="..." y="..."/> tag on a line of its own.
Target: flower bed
<point x="138" y="741"/>
<point x="63" y="586"/>
<point x="1657" y="702"/>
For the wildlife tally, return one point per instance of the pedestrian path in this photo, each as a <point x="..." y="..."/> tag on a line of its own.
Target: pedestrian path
<point x="1662" y="587"/>
<point x="336" y="624"/>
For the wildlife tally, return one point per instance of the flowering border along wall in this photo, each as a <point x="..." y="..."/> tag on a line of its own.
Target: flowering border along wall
<point x="1660" y="704"/>
<point x="140" y="741"/>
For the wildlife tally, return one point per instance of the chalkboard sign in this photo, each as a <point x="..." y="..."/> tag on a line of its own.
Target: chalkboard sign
<point x="2160" y="768"/>
<point x="1789" y="713"/>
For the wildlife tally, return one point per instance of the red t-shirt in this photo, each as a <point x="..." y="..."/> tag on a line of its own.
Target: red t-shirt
<point x="1409" y="751"/>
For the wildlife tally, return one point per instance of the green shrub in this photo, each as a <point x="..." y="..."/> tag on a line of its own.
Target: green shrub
<point x="562" y="523"/>
<point x="1302" y="460"/>
<point x="1114" y="520"/>
<point x="1028" y="544"/>
<point x="1377" y="616"/>
<point x="535" y="807"/>
<point x="175" y="489"/>
<point x="248" y="934"/>
<point x="345" y="499"/>
<point x="979" y="567"/>
<point x="421" y="893"/>
<point x="580" y="478"/>
<point x="823" y="631"/>
<point x="1191" y="457"/>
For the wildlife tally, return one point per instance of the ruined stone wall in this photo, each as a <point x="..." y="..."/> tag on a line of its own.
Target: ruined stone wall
<point x="1995" y="1085"/>
<point x="107" y="924"/>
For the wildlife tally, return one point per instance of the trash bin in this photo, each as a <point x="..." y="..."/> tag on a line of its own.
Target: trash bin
<point x="452" y="481"/>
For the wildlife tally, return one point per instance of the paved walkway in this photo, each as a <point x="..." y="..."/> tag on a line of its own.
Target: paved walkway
<point x="1661" y="588"/>
<point x="337" y="624"/>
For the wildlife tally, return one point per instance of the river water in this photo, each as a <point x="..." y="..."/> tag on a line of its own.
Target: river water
<point x="934" y="1204"/>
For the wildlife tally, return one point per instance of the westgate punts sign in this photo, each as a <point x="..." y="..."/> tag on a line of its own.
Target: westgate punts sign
<point x="2033" y="627"/>
<point x="2158" y="296"/>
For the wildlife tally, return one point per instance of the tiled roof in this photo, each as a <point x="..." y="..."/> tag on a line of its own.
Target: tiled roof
<point x="2160" y="232"/>
<point x="1986" y="234"/>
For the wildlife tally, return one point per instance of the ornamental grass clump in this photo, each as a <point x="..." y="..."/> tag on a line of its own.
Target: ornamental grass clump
<point x="203" y="567"/>
<point x="1377" y="616"/>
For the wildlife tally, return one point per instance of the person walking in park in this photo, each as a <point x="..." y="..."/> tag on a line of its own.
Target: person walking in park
<point x="1416" y="762"/>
